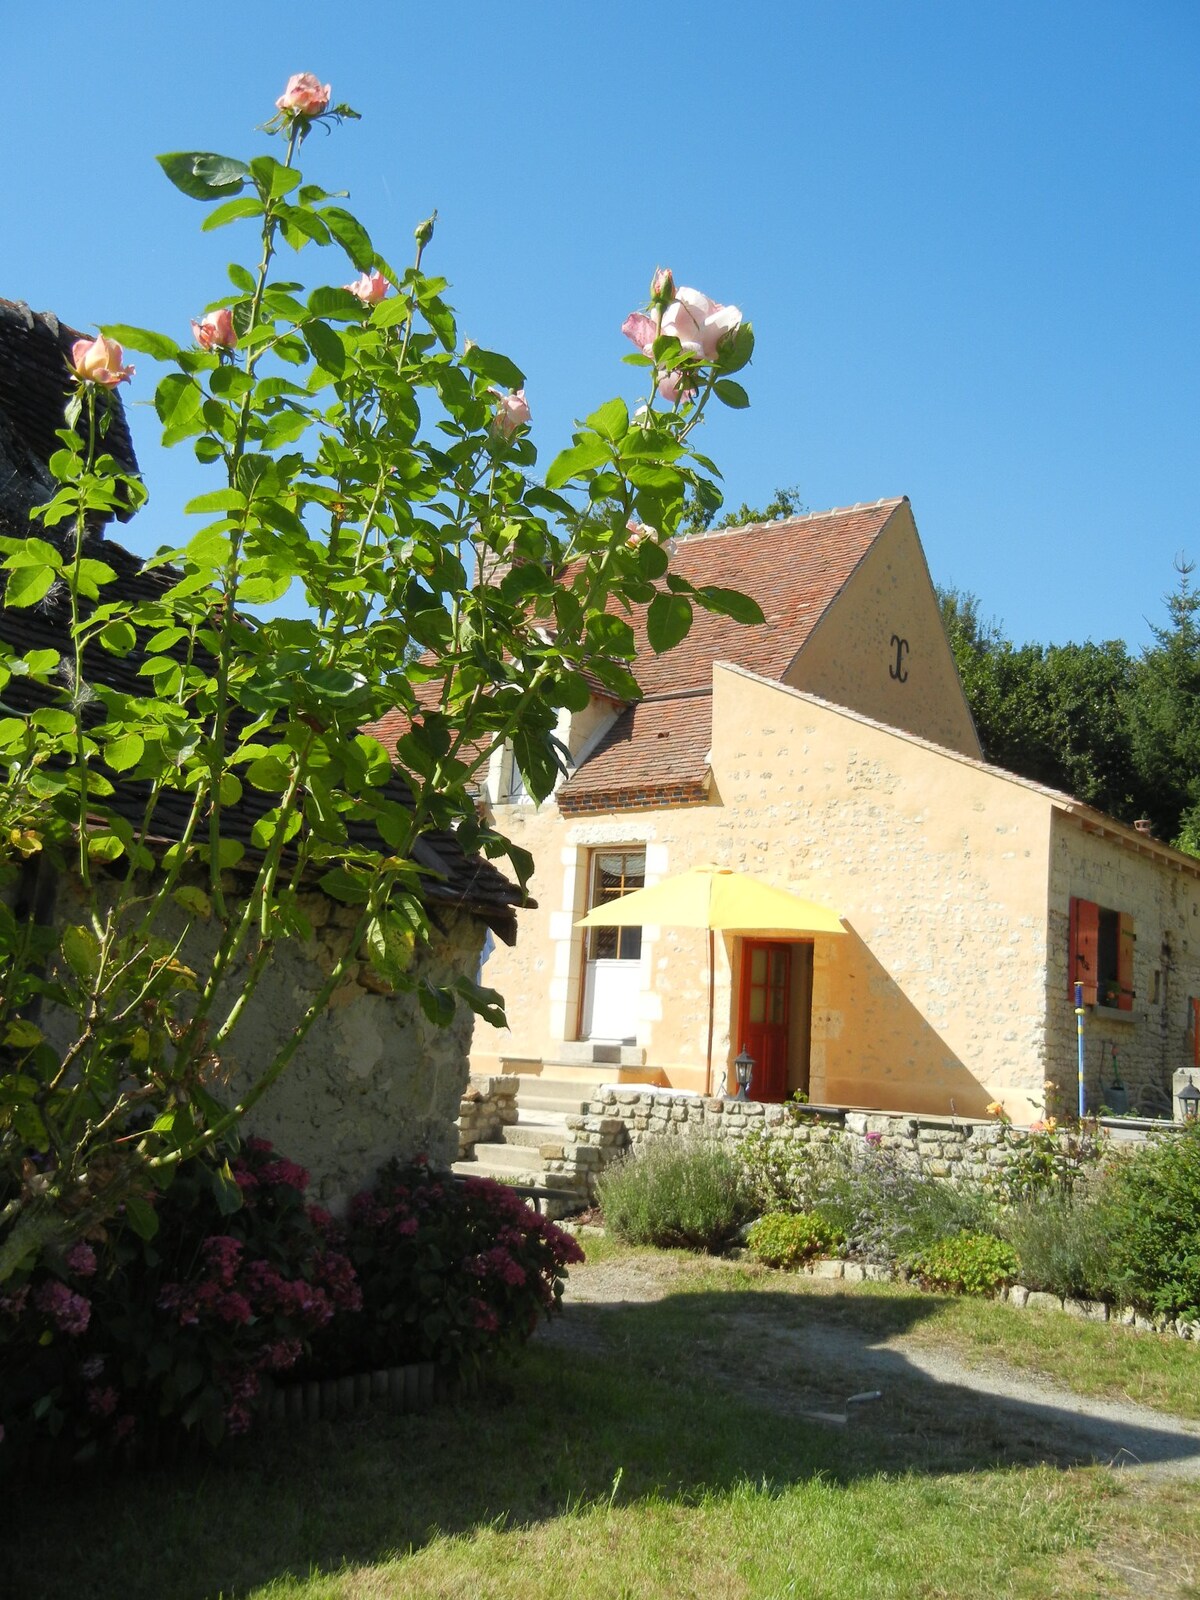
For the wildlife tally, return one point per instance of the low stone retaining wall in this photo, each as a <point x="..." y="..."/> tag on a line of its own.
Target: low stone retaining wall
<point x="1020" y="1297"/>
<point x="487" y="1106"/>
<point x="621" y="1118"/>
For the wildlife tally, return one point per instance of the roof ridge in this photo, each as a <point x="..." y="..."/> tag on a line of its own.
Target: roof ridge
<point x="785" y="522"/>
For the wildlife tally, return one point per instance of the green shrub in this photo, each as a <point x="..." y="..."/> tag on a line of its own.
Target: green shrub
<point x="888" y="1209"/>
<point x="790" y="1238"/>
<point x="1152" y="1205"/>
<point x="966" y="1263"/>
<point x="784" y="1174"/>
<point x="1062" y="1245"/>
<point x="1048" y="1158"/>
<point x="677" y="1193"/>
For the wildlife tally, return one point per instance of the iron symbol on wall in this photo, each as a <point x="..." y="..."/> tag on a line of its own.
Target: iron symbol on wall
<point x="898" y="670"/>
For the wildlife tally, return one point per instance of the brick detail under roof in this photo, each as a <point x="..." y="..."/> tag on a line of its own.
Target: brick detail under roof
<point x="653" y="745"/>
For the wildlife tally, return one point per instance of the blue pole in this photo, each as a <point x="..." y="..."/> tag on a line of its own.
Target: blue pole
<point x="1080" y="1013"/>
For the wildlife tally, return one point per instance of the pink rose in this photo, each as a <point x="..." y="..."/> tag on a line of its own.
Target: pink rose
<point x="99" y="360"/>
<point x="674" y="386"/>
<point x="370" y="288"/>
<point x="304" y="96"/>
<point x="512" y="413"/>
<point x="643" y="330"/>
<point x="215" y="330"/>
<point x="699" y="323"/>
<point x="662" y="286"/>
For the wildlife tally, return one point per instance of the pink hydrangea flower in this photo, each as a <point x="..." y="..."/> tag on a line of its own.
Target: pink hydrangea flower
<point x="81" y="1259"/>
<point x="305" y="95"/>
<point x="69" y="1312"/>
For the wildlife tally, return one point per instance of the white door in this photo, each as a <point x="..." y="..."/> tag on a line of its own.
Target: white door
<point x="612" y="956"/>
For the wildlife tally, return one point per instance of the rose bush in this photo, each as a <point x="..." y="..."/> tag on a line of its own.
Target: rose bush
<point x="362" y="464"/>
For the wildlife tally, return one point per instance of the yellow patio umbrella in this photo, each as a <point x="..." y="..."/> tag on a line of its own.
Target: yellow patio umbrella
<point x="715" y="897"/>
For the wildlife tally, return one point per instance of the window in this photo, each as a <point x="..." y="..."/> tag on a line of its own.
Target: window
<point x="615" y="873"/>
<point x="1101" y="955"/>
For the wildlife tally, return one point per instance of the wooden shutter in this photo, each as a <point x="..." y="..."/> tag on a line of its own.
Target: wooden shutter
<point x="1126" y="940"/>
<point x="1084" y="951"/>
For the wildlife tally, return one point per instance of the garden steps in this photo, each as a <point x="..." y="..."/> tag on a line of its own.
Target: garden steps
<point x="562" y="1097"/>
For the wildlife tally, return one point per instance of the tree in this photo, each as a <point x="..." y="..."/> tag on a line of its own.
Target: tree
<point x="313" y="408"/>
<point x="1164" y="709"/>
<point x="699" y="518"/>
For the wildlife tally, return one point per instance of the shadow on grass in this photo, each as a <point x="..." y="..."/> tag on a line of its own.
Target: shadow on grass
<point x="692" y="1395"/>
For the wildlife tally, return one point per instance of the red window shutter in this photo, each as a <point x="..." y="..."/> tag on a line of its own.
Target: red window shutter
<point x="1084" y="948"/>
<point x="1126" y="939"/>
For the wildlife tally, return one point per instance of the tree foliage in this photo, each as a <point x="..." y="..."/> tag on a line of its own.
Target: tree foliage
<point x="1117" y="731"/>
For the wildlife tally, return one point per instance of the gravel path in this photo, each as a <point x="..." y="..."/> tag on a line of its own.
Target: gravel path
<point x="803" y="1361"/>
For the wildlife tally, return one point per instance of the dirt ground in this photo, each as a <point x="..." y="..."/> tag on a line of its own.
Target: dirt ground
<point x="809" y="1356"/>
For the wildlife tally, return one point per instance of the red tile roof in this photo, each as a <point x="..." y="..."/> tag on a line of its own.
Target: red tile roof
<point x="656" y="752"/>
<point x="794" y="569"/>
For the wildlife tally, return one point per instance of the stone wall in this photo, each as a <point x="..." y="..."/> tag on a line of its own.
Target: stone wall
<point x="487" y="1107"/>
<point x="373" y="1079"/>
<point x="619" y="1119"/>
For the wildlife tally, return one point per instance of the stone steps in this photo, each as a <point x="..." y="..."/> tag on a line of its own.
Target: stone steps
<point x="559" y="1096"/>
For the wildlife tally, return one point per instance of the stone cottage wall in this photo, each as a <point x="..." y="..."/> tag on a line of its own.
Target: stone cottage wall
<point x="1153" y="1040"/>
<point x="373" y="1079"/>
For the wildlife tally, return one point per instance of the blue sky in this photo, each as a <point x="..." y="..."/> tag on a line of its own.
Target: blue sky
<point x="967" y="234"/>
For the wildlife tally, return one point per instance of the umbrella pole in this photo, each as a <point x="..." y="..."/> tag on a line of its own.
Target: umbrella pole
<point x="712" y="941"/>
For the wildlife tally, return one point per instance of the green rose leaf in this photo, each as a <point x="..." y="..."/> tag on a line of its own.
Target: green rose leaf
<point x="27" y="585"/>
<point x="124" y="752"/>
<point x="611" y="421"/>
<point x="730" y="603"/>
<point x="201" y="175"/>
<point x="592" y="451"/>
<point x="731" y="394"/>
<point x="494" y="367"/>
<point x="668" y="620"/>
<point x="351" y="235"/>
<point x="146" y="340"/>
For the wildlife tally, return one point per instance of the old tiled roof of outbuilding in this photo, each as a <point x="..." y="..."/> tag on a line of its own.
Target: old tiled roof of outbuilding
<point x="656" y="752"/>
<point x="34" y="355"/>
<point x="32" y="366"/>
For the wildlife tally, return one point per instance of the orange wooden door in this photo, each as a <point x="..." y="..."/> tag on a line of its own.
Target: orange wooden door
<point x="763" y="1016"/>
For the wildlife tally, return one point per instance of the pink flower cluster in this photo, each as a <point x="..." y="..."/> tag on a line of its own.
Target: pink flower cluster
<point x="701" y="325"/>
<point x="69" y="1312"/>
<point x="81" y="1259"/>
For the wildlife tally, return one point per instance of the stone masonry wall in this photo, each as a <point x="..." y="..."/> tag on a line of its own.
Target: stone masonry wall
<point x="488" y="1106"/>
<point x="619" y="1120"/>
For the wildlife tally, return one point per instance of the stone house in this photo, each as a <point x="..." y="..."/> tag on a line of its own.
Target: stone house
<point x="374" y="1078"/>
<point x="830" y="752"/>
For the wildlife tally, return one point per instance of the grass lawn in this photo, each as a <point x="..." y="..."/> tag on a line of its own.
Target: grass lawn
<point x="660" y="1453"/>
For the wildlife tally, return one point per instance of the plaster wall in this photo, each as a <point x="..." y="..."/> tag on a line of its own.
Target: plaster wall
<point x="881" y="647"/>
<point x="373" y="1079"/>
<point x="934" y="1000"/>
<point x="1161" y="891"/>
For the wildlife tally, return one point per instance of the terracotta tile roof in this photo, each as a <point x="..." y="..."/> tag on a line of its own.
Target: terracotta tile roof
<point x="794" y="569"/>
<point x="655" y="753"/>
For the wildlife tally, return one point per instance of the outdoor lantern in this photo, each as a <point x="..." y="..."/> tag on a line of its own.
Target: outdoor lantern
<point x="1189" y="1100"/>
<point x="743" y="1065"/>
